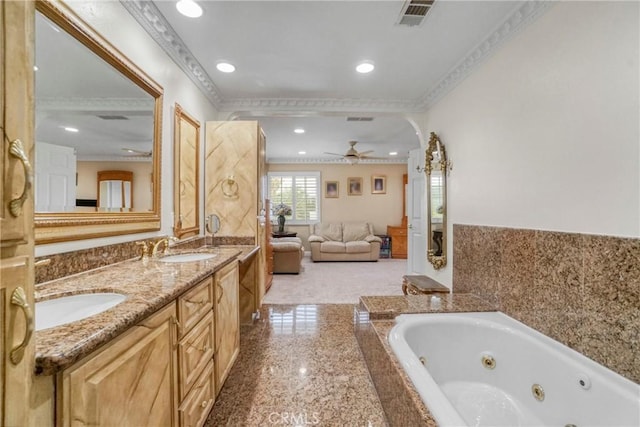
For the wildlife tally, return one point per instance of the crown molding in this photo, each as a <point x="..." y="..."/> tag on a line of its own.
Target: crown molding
<point x="156" y="25"/>
<point x="336" y="161"/>
<point x="321" y="105"/>
<point x="520" y="18"/>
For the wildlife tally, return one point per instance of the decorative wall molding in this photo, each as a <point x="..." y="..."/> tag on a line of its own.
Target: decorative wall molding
<point x="152" y="20"/>
<point x="321" y="104"/>
<point x="94" y="104"/>
<point x="336" y="161"/>
<point x="518" y="20"/>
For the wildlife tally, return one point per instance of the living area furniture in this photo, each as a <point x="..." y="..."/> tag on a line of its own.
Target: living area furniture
<point x="398" y="233"/>
<point x="385" y="246"/>
<point x="422" y="285"/>
<point x="287" y="255"/>
<point x="349" y="241"/>
<point x="278" y="234"/>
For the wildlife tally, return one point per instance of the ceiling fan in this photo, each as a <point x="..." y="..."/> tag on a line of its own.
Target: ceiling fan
<point x="137" y="153"/>
<point x="353" y="156"/>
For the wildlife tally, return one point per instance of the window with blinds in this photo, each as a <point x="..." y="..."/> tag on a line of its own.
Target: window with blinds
<point x="298" y="190"/>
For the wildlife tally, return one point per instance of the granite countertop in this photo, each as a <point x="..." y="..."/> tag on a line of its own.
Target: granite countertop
<point x="388" y="307"/>
<point x="148" y="284"/>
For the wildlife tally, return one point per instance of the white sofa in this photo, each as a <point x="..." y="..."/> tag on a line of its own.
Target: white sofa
<point x="349" y="241"/>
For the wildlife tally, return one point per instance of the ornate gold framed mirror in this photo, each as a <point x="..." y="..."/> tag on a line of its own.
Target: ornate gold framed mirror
<point x="186" y="142"/>
<point x="436" y="166"/>
<point x="95" y="110"/>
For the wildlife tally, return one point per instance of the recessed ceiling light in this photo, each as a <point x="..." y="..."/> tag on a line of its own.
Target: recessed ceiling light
<point x="35" y="68"/>
<point x="70" y="129"/>
<point x="302" y="152"/>
<point x="365" y="67"/>
<point x="189" y="8"/>
<point x="393" y="153"/>
<point x="299" y="130"/>
<point x="225" y="67"/>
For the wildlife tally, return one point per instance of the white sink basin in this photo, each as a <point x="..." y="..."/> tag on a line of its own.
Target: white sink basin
<point x="59" y="311"/>
<point x="186" y="257"/>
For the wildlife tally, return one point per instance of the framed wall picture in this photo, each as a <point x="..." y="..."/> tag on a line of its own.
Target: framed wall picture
<point x="378" y="184"/>
<point x="354" y="186"/>
<point x="331" y="189"/>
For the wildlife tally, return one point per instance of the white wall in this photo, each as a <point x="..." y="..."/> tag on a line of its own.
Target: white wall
<point x="545" y="134"/>
<point x="115" y="24"/>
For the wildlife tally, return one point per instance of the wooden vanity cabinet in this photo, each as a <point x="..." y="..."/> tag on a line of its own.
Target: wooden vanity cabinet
<point x="165" y="371"/>
<point x="227" y="320"/>
<point x="132" y="381"/>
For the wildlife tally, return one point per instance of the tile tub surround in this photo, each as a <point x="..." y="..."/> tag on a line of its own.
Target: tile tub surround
<point x="581" y="290"/>
<point x="299" y="365"/>
<point x="374" y="318"/>
<point x="388" y="307"/>
<point x="148" y="285"/>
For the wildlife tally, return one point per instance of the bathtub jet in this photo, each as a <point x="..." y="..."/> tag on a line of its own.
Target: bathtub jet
<point x="488" y="369"/>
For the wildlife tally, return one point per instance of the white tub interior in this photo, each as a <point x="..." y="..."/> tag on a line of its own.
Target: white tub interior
<point x="443" y="356"/>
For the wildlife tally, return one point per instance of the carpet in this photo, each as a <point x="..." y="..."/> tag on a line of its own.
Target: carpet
<point x="337" y="282"/>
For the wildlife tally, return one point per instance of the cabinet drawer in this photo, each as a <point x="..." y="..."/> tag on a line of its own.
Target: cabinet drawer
<point x="195" y="350"/>
<point x="196" y="407"/>
<point x="194" y="304"/>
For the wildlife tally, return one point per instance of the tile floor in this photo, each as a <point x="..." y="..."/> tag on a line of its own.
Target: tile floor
<point x="299" y="365"/>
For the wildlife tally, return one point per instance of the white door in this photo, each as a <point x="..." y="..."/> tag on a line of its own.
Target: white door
<point x="416" y="213"/>
<point x="55" y="178"/>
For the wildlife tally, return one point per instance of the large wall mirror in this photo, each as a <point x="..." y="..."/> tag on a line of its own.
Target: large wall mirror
<point x="95" y="111"/>
<point x="436" y="166"/>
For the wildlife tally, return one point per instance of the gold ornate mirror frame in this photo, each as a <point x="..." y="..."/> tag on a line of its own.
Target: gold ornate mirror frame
<point x="59" y="227"/>
<point x="186" y="172"/>
<point x="436" y="166"/>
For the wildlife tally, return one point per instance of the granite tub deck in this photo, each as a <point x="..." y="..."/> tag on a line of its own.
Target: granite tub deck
<point x="374" y="318"/>
<point x="148" y="284"/>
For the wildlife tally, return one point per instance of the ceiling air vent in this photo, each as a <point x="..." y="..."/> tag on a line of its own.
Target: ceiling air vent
<point x="359" y="119"/>
<point x="113" y="117"/>
<point x="414" y="11"/>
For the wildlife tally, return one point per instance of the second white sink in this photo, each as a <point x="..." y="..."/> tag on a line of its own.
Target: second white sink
<point x="187" y="257"/>
<point x="59" y="311"/>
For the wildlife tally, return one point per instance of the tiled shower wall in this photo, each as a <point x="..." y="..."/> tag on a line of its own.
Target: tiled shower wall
<point x="582" y="290"/>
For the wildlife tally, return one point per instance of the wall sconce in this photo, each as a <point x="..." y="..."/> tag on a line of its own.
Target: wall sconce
<point x="229" y="187"/>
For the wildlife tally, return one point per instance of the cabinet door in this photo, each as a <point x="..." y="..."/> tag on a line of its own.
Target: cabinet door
<point x="16" y="343"/>
<point x="195" y="304"/>
<point x="227" y="322"/>
<point x="197" y="405"/>
<point x="195" y="351"/>
<point x="16" y="225"/>
<point x="130" y="382"/>
<point x="16" y="111"/>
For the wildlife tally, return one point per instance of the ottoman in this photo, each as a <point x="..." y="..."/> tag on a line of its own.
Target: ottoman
<point x="287" y="255"/>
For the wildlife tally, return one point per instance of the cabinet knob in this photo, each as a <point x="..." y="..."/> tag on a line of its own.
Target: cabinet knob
<point x="204" y="403"/>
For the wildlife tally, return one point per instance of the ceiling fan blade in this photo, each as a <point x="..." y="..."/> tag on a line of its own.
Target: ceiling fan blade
<point x="334" y="154"/>
<point x="364" y="153"/>
<point x="137" y="153"/>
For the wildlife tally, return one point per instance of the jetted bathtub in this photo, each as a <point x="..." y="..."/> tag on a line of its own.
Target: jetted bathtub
<point x="488" y="369"/>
